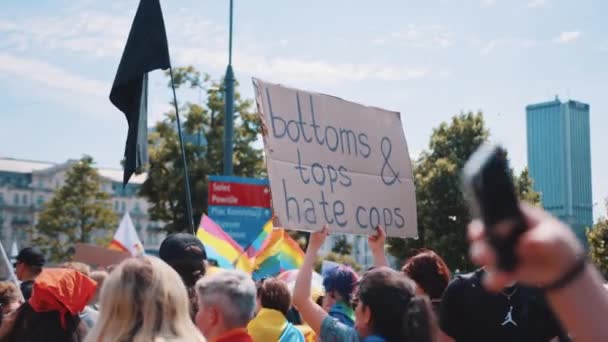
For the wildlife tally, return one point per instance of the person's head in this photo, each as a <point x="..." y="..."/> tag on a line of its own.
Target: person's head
<point x="339" y="283"/>
<point x="10" y="297"/>
<point x="186" y="254"/>
<point x="100" y="277"/>
<point x="274" y="294"/>
<point x="143" y="299"/>
<point x="33" y="326"/>
<point x="51" y="313"/>
<point x="430" y="273"/>
<point x="78" y="266"/>
<point x="29" y="263"/>
<point x="226" y="301"/>
<point x="387" y="305"/>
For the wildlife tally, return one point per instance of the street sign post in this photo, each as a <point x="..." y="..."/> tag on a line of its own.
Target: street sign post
<point x="241" y="206"/>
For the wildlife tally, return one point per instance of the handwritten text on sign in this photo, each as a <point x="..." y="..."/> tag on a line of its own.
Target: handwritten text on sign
<point x="335" y="162"/>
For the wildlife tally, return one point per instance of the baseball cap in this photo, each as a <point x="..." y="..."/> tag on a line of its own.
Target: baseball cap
<point x="31" y="256"/>
<point x="186" y="254"/>
<point x="181" y="247"/>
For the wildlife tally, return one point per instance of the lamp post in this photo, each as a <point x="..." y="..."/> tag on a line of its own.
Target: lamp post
<point x="229" y="105"/>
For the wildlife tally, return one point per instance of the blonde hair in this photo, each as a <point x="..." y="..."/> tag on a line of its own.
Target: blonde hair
<point x="78" y="266"/>
<point x="100" y="277"/>
<point x="144" y="299"/>
<point x="9" y="293"/>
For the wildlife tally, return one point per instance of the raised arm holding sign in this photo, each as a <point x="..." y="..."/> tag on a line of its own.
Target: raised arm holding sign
<point x="335" y="162"/>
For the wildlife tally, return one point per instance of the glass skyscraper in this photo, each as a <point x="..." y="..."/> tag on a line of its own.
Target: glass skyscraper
<point x="559" y="159"/>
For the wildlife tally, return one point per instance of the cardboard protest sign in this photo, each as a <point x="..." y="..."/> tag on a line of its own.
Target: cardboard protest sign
<point x="98" y="256"/>
<point x="335" y="162"/>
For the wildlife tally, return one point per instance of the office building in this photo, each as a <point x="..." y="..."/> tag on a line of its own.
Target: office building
<point x="25" y="186"/>
<point x="559" y="160"/>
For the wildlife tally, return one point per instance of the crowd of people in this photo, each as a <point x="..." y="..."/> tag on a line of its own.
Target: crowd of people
<point x="554" y="294"/>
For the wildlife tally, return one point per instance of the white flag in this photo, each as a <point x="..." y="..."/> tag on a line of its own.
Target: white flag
<point x="14" y="250"/>
<point x="126" y="238"/>
<point x="6" y="268"/>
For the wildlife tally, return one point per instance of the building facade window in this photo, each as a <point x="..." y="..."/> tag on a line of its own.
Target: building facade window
<point x="115" y="205"/>
<point x="137" y="209"/>
<point x="16" y="199"/>
<point x="152" y="238"/>
<point x="24" y="199"/>
<point x="40" y="200"/>
<point x="1" y="198"/>
<point x="123" y="206"/>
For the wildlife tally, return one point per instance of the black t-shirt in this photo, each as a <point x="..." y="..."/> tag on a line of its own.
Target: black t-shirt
<point x="469" y="313"/>
<point x="26" y="289"/>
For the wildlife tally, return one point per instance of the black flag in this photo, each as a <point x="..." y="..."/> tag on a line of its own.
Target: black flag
<point x="146" y="50"/>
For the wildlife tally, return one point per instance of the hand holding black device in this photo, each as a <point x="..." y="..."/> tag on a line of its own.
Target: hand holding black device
<point x="491" y="194"/>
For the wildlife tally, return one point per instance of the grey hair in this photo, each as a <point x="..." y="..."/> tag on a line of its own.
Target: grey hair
<point x="233" y="293"/>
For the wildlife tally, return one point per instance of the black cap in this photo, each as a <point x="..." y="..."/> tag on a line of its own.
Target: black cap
<point x="31" y="257"/>
<point x="182" y="247"/>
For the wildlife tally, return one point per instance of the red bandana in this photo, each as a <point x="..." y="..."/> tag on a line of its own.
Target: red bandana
<point x="65" y="290"/>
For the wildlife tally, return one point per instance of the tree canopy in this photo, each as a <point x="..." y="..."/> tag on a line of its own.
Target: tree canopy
<point x="203" y="127"/>
<point x="443" y="214"/>
<point x="79" y="212"/>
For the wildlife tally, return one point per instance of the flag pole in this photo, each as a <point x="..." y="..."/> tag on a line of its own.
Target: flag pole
<point x="181" y="144"/>
<point x="229" y="105"/>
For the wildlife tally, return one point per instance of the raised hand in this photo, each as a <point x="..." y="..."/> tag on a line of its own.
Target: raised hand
<point x="317" y="239"/>
<point x="546" y="251"/>
<point x="377" y="241"/>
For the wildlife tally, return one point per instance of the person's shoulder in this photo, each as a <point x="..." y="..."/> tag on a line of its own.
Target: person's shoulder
<point x="291" y="334"/>
<point x="463" y="281"/>
<point x="26" y="283"/>
<point x="334" y="331"/>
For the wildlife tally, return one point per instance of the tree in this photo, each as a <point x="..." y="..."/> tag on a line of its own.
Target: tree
<point x="341" y="246"/>
<point x="164" y="187"/>
<point x="340" y="259"/>
<point x="300" y="237"/>
<point x="524" y="186"/>
<point x="443" y="213"/>
<point x="597" y="238"/>
<point x="79" y="212"/>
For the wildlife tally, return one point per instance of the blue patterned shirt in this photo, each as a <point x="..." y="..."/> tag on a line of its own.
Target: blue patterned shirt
<point x="334" y="331"/>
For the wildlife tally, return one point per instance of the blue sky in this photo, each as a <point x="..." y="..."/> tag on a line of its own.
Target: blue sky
<point x="428" y="59"/>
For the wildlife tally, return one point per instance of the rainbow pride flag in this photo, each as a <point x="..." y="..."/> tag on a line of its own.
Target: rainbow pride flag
<point x="221" y="247"/>
<point x="292" y="256"/>
<point x="260" y="241"/>
<point x="279" y="253"/>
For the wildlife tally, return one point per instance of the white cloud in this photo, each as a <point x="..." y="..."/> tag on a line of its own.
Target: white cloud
<point x="528" y="43"/>
<point x="509" y="42"/>
<point x="417" y="36"/>
<point x="294" y="69"/>
<point x="95" y="35"/>
<point x="446" y="72"/>
<point x="536" y="3"/>
<point x="489" y="46"/>
<point x="488" y="2"/>
<point x="51" y="76"/>
<point x="567" y="37"/>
